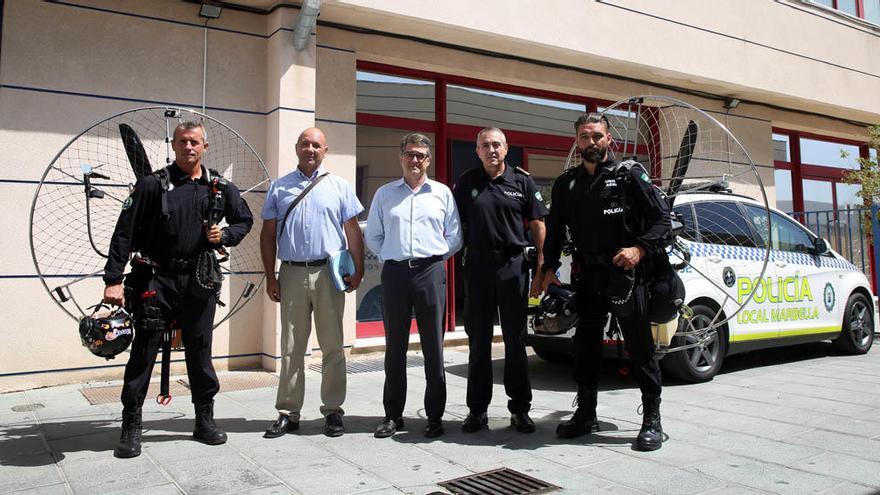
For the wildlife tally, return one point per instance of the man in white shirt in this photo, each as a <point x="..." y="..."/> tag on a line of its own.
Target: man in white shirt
<point x="413" y="227"/>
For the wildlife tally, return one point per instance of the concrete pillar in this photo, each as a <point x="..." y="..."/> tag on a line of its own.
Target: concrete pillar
<point x="290" y="99"/>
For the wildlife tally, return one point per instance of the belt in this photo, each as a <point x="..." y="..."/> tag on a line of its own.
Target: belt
<point x="417" y="262"/>
<point x="320" y="262"/>
<point x="166" y="265"/>
<point x="510" y="251"/>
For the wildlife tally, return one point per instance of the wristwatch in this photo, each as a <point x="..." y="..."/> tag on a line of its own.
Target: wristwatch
<point x="224" y="236"/>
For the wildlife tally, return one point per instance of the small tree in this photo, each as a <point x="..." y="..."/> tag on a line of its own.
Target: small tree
<point x="868" y="176"/>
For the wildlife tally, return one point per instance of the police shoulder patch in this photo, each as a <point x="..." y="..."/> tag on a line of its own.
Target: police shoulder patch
<point x="127" y="203"/>
<point x="645" y="177"/>
<point x="538" y="196"/>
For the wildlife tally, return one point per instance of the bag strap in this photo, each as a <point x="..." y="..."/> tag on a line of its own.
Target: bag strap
<point x="300" y="198"/>
<point x="165" y="184"/>
<point x="217" y="196"/>
<point x="164" y="397"/>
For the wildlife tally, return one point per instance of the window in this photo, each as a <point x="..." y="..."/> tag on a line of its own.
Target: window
<point x="868" y="10"/>
<point x="872" y="11"/>
<point x="808" y="171"/>
<point x="848" y="196"/>
<point x="818" y="195"/>
<point x="723" y="223"/>
<point x="394" y="96"/>
<point x="686" y="214"/>
<point x="789" y="236"/>
<point x="829" y="154"/>
<point x="784" y="198"/>
<point x="483" y="107"/>
<point x="758" y="217"/>
<point x="781" y="151"/>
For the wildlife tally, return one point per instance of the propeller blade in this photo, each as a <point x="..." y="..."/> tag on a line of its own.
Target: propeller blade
<point x="134" y="148"/>
<point x="685" y="151"/>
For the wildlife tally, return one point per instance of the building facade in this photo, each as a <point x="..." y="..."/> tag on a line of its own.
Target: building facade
<point x="796" y="81"/>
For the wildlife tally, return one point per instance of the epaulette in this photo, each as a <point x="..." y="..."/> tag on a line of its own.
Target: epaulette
<point x="521" y="170"/>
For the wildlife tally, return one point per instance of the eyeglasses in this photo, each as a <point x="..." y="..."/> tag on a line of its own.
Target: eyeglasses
<point x="420" y="157"/>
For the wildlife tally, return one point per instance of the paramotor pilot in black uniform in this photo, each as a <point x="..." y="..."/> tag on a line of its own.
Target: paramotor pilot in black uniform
<point x="170" y="219"/>
<point x="618" y="220"/>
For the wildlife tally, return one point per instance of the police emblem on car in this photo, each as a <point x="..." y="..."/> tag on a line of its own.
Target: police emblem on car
<point x="829" y="297"/>
<point x="728" y="276"/>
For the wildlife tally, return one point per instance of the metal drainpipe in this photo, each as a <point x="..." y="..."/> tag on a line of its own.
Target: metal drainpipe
<point x="308" y="18"/>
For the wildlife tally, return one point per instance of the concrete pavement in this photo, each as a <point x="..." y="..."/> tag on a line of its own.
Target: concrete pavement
<point x="796" y="420"/>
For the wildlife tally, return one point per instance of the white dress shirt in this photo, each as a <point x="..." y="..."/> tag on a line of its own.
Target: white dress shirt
<point x="403" y="224"/>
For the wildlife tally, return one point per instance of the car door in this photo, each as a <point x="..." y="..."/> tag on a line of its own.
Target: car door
<point x="808" y="284"/>
<point x="730" y="255"/>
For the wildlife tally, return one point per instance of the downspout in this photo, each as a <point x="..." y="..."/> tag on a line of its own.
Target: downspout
<point x="308" y="18"/>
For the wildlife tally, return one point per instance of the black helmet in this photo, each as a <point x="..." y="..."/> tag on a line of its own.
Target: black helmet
<point x="106" y="334"/>
<point x="558" y="312"/>
<point x="666" y="293"/>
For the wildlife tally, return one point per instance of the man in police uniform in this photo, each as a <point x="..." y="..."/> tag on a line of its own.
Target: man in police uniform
<point x="496" y="202"/>
<point x="616" y="217"/>
<point x="168" y="224"/>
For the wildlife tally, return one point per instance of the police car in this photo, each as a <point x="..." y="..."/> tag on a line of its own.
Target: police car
<point x="801" y="291"/>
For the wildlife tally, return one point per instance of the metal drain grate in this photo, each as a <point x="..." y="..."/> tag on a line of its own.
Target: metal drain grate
<point x="497" y="482"/>
<point x="371" y="365"/>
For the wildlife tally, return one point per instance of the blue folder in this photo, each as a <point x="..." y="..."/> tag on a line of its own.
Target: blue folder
<point x="341" y="265"/>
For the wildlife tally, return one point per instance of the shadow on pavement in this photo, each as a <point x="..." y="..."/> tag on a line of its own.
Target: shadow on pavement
<point x="557" y="377"/>
<point x="49" y="442"/>
<point x="498" y="435"/>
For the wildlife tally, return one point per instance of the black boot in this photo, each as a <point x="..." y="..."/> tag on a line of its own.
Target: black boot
<point x="651" y="435"/>
<point x="130" y="440"/>
<point x="584" y="419"/>
<point x="206" y="430"/>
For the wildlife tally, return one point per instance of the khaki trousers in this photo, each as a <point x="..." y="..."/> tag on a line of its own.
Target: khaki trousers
<point x="308" y="291"/>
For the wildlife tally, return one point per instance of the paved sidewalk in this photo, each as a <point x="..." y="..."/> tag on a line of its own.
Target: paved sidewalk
<point x="798" y="420"/>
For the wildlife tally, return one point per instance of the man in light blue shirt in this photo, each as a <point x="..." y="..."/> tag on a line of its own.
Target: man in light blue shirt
<point x="413" y="226"/>
<point x="323" y="223"/>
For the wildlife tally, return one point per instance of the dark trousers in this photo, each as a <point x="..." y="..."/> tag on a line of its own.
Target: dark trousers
<point x="594" y="305"/>
<point x="195" y="319"/>
<point x="422" y="288"/>
<point x="496" y="285"/>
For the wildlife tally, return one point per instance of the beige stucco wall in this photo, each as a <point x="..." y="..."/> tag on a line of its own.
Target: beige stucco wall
<point x="785" y="53"/>
<point x="65" y="67"/>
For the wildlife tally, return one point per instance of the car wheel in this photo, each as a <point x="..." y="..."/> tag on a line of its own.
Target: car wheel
<point x="551" y="356"/>
<point x="697" y="364"/>
<point x="857" y="331"/>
